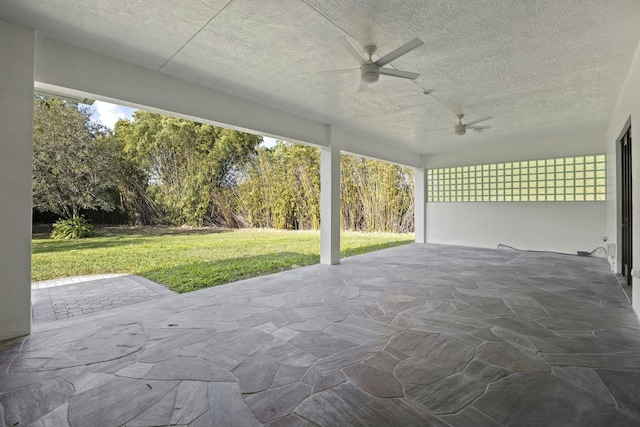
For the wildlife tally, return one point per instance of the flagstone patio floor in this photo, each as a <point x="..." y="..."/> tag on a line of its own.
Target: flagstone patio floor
<point x="420" y="334"/>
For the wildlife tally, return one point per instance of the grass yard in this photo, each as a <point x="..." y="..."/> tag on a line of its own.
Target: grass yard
<point x="185" y="260"/>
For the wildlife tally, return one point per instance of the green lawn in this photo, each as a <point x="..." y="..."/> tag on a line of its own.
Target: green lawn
<point x="186" y="260"/>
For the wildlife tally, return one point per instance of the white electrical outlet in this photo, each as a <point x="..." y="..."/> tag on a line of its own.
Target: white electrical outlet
<point x="611" y="250"/>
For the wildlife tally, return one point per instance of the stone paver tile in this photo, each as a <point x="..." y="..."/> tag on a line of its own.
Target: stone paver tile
<point x="285" y="334"/>
<point x="12" y="381"/>
<point x="277" y="402"/>
<point x="544" y="400"/>
<point x="342" y="405"/>
<point x="586" y="379"/>
<point x="452" y="323"/>
<point x="505" y="355"/>
<point x="383" y="360"/>
<point x="243" y="341"/>
<point x="374" y="381"/>
<point x="279" y="317"/>
<point x="256" y="373"/>
<point x="107" y="343"/>
<point x="158" y="414"/>
<point x="350" y="356"/>
<point x="623" y="360"/>
<point x="522" y="326"/>
<point x="440" y="306"/>
<point x="291" y="421"/>
<point x="312" y="376"/>
<point x="448" y="395"/>
<point x="334" y="313"/>
<point x="227" y="359"/>
<point x="396" y="353"/>
<point x="527" y="308"/>
<point x="226" y="408"/>
<point x="310" y="325"/>
<point x="91" y="380"/>
<point x="373" y="311"/>
<point x="188" y="368"/>
<point x="359" y="329"/>
<point x="328" y="381"/>
<point x="27" y="404"/>
<point x="519" y="341"/>
<point x="490" y="306"/>
<point x="545" y="345"/>
<point x="288" y="374"/>
<point x="398" y="302"/>
<point x="121" y="400"/>
<point x="420" y="372"/>
<point x="135" y="370"/>
<point x="484" y="372"/>
<point x="439" y="349"/>
<point x="470" y="416"/>
<point x="57" y="339"/>
<point x="320" y="344"/>
<point x="623" y="386"/>
<point x="59" y="417"/>
<point x="191" y="401"/>
<point x="287" y="354"/>
<point x="346" y="405"/>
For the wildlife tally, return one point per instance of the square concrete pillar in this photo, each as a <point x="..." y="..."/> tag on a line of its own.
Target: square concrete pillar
<point x="419" y="204"/>
<point x="17" y="47"/>
<point x="330" y="204"/>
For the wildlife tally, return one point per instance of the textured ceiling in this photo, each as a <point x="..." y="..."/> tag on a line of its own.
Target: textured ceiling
<point x="531" y="65"/>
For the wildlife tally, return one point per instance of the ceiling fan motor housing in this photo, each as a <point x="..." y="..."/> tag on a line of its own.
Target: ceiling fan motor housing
<point x="460" y="129"/>
<point x="369" y="73"/>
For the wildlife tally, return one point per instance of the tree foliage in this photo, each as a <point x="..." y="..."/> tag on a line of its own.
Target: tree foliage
<point x="191" y="167"/>
<point x="282" y="190"/>
<point x="72" y="160"/>
<point x="158" y="168"/>
<point x="375" y="196"/>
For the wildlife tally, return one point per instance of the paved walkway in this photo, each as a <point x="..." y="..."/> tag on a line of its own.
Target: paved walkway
<point x="76" y="296"/>
<point x="414" y="335"/>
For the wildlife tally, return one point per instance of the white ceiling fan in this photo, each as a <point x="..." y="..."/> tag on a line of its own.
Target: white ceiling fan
<point x="370" y="70"/>
<point x="461" y="128"/>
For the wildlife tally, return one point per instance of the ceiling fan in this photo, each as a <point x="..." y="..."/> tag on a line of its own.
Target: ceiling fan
<point x="370" y="70"/>
<point x="461" y="128"/>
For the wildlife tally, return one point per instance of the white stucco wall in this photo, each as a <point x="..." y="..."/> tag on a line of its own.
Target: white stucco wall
<point x="555" y="226"/>
<point x="16" y="141"/>
<point x="627" y="111"/>
<point x="551" y="226"/>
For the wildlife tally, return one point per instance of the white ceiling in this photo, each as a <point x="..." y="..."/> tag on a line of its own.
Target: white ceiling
<point x="531" y="64"/>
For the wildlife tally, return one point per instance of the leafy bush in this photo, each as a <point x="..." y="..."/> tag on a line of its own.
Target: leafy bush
<point x="76" y="228"/>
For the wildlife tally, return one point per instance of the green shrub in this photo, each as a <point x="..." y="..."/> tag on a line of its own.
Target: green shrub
<point x="76" y="228"/>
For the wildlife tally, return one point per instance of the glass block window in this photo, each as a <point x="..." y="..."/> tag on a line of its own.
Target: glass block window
<point x="565" y="179"/>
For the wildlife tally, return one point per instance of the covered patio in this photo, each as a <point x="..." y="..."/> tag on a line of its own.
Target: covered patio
<point x="415" y="335"/>
<point x="424" y="334"/>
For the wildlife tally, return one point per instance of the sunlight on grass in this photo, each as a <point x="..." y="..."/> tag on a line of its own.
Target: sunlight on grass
<point x="185" y="261"/>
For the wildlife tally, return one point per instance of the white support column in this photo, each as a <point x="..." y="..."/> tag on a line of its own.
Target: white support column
<point x="330" y="203"/>
<point x="419" y="204"/>
<point x="17" y="47"/>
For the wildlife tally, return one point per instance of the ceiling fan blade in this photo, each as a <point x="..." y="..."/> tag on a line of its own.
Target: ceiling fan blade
<point x="352" y="50"/>
<point x="478" y="121"/>
<point x="478" y="127"/>
<point x="398" y="73"/>
<point x="332" y="72"/>
<point x="394" y="54"/>
<point x="433" y="130"/>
